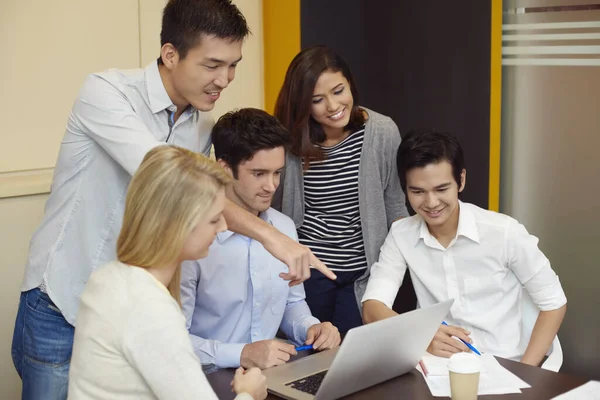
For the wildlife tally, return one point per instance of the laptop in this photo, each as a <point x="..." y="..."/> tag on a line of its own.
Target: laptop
<point x="369" y="354"/>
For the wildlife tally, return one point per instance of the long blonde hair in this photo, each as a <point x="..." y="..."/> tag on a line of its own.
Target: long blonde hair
<point x="170" y="193"/>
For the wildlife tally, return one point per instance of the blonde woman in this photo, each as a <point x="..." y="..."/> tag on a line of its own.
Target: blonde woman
<point x="131" y="341"/>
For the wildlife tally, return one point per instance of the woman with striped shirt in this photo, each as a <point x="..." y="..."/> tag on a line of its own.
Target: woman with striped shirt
<point x="340" y="185"/>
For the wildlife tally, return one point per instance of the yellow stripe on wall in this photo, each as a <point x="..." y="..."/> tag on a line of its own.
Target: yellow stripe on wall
<point x="281" y="39"/>
<point x="495" y="104"/>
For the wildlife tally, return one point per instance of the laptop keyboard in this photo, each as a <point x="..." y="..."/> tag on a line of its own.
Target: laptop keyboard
<point x="309" y="384"/>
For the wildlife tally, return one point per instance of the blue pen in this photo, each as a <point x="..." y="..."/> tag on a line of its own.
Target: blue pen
<point x="467" y="344"/>
<point x="309" y="347"/>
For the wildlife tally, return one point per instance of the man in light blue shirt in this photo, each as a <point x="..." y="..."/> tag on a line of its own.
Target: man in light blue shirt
<point x="235" y="299"/>
<point x="116" y="119"/>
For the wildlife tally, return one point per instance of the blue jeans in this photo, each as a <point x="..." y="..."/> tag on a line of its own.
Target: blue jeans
<point x="41" y="347"/>
<point x="334" y="301"/>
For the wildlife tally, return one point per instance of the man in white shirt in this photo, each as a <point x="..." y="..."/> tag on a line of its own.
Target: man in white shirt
<point x="116" y="119"/>
<point x="454" y="250"/>
<point x="234" y="299"/>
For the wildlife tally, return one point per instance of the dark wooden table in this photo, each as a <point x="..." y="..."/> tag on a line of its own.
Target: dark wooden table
<point x="544" y="384"/>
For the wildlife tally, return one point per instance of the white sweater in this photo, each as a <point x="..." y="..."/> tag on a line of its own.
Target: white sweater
<point x="131" y="341"/>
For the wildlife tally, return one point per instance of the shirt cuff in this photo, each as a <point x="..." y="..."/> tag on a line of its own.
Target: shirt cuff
<point x="306" y="324"/>
<point x="228" y="355"/>
<point x="381" y="290"/>
<point x="551" y="298"/>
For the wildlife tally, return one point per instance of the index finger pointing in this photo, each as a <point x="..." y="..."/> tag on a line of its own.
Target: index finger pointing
<point x="319" y="266"/>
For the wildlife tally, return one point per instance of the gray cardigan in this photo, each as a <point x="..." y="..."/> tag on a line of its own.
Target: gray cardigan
<point x="380" y="197"/>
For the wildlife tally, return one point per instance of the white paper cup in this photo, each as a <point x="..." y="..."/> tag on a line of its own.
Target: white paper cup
<point x="464" y="369"/>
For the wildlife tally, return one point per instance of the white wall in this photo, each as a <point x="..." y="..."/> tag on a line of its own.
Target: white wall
<point x="49" y="48"/>
<point x="247" y="90"/>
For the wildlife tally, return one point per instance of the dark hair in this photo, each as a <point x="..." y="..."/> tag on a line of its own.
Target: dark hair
<point x="185" y="22"/>
<point x="293" y="106"/>
<point x="420" y="148"/>
<point x="240" y="134"/>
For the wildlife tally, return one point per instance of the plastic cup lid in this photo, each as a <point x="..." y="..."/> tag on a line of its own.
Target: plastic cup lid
<point x="464" y="363"/>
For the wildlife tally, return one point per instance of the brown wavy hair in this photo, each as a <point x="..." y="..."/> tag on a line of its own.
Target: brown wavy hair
<point x="294" y="103"/>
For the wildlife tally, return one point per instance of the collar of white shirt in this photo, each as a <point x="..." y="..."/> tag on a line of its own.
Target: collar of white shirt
<point x="467" y="227"/>
<point x="223" y="236"/>
<point x="157" y="93"/>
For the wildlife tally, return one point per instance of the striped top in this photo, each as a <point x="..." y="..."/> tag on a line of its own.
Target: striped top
<point x="332" y="227"/>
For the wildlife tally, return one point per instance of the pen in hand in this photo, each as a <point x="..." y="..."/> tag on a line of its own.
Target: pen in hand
<point x="470" y="346"/>
<point x="308" y="347"/>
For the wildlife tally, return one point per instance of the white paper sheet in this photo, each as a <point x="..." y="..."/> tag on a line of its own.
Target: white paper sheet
<point x="493" y="379"/>
<point x="587" y="391"/>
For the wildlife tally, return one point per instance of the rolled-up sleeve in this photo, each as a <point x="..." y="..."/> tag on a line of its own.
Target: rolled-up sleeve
<point x="223" y="355"/>
<point x="214" y="352"/>
<point x="387" y="273"/>
<point x="533" y="269"/>
<point x="297" y="317"/>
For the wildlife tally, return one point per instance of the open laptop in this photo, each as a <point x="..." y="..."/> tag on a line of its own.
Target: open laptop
<point x="370" y="354"/>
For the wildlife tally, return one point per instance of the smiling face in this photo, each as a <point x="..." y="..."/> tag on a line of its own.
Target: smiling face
<point x="205" y="71"/>
<point x="433" y="193"/>
<point x="332" y="101"/>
